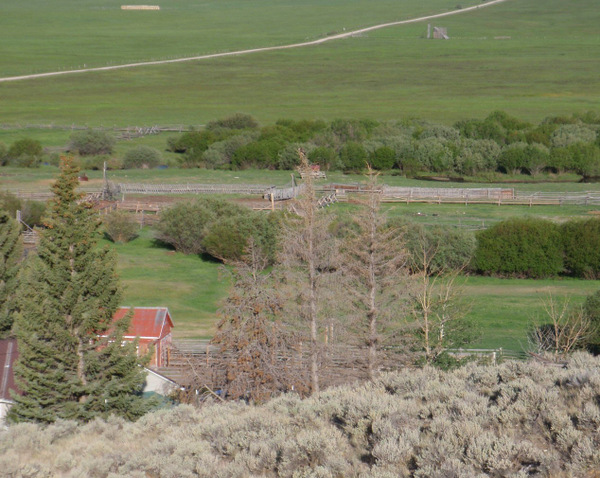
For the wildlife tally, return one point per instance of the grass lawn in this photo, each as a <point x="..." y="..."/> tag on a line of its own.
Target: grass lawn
<point x="192" y="288"/>
<point x="529" y="58"/>
<point x="505" y="309"/>
<point x="154" y="275"/>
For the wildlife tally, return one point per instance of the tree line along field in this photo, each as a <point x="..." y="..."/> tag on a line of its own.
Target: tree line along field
<point x="528" y="58"/>
<point x="193" y="289"/>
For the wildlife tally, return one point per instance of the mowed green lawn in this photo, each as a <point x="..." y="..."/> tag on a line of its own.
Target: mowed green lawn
<point x="530" y="58"/>
<point x="154" y="275"/>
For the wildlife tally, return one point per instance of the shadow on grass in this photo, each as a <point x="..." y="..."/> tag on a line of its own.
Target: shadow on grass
<point x="108" y="238"/>
<point x="157" y="243"/>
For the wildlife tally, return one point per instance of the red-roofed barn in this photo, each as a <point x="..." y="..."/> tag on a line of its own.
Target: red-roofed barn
<point x="153" y="327"/>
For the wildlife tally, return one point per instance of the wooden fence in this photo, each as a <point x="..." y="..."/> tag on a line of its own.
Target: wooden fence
<point x="445" y="195"/>
<point x="499" y="196"/>
<point x="283" y="194"/>
<point x="494" y="355"/>
<point x="145" y="188"/>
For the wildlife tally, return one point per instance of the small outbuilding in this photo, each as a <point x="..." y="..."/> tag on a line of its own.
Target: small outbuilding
<point x="153" y="326"/>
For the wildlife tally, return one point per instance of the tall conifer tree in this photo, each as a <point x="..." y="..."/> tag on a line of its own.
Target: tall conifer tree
<point x="66" y="300"/>
<point x="11" y="251"/>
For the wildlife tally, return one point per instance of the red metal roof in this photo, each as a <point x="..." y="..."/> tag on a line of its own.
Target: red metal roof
<point x="8" y="355"/>
<point x="147" y="322"/>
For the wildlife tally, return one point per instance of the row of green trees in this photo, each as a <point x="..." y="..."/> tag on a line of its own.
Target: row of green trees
<point x="517" y="247"/>
<point x="59" y="304"/>
<point x="498" y="143"/>
<point x="538" y="248"/>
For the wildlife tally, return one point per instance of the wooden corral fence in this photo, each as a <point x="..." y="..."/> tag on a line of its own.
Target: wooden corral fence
<point x="327" y="200"/>
<point x="493" y="355"/>
<point x="283" y="194"/>
<point x="447" y="195"/>
<point x="586" y="198"/>
<point x="145" y="188"/>
<point x="29" y="195"/>
<point x="153" y="129"/>
<point x="500" y="196"/>
<point x="339" y="363"/>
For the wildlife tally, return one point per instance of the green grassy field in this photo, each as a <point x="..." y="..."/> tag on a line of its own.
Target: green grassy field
<point x="527" y="57"/>
<point x="505" y="309"/>
<point x="38" y="36"/>
<point x="192" y="288"/>
<point x="189" y="286"/>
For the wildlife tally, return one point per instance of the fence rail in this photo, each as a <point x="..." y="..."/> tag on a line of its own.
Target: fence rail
<point x="499" y="196"/>
<point x="74" y="127"/>
<point x="144" y="188"/>
<point x="495" y="355"/>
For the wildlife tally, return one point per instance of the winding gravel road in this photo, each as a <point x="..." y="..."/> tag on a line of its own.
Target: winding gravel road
<point x="254" y="50"/>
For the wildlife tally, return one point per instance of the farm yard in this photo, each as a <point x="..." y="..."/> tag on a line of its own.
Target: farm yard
<point x="193" y="287"/>
<point x="375" y="225"/>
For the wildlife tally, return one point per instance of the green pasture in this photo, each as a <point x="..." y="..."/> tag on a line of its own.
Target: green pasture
<point x="193" y="288"/>
<point x="40" y="36"/>
<point x="505" y="309"/>
<point x="155" y="275"/>
<point x="529" y="58"/>
<point x="480" y="216"/>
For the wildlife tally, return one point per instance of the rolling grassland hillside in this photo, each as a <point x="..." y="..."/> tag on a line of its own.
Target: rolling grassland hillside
<point x="530" y="58"/>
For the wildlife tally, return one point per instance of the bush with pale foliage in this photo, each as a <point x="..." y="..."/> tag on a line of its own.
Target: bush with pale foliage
<point x="512" y="420"/>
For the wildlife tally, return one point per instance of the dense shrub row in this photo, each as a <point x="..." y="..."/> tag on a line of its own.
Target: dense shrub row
<point x="497" y="143"/>
<point x="511" y="420"/>
<point x="218" y="228"/>
<point x="536" y="248"/>
<point x="518" y="247"/>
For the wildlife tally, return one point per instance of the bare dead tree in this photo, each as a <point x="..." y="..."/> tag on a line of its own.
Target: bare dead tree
<point x="308" y="253"/>
<point x="438" y="307"/>
<point x="563" y="328"/>
<point x="256" y="349"/>
<point x="375" y="260"/>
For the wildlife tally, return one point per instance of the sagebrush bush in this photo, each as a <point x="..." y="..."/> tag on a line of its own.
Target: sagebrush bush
<point x="142" y="157"/>
<point x="92" y="142"/>
<point x="517" y="419"/>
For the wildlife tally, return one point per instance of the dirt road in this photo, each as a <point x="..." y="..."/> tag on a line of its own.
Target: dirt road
<point x="254" y="50"/>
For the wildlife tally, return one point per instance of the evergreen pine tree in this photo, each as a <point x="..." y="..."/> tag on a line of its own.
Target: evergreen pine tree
<point x="66" y="300"/>
<point x="11" y="251"/>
